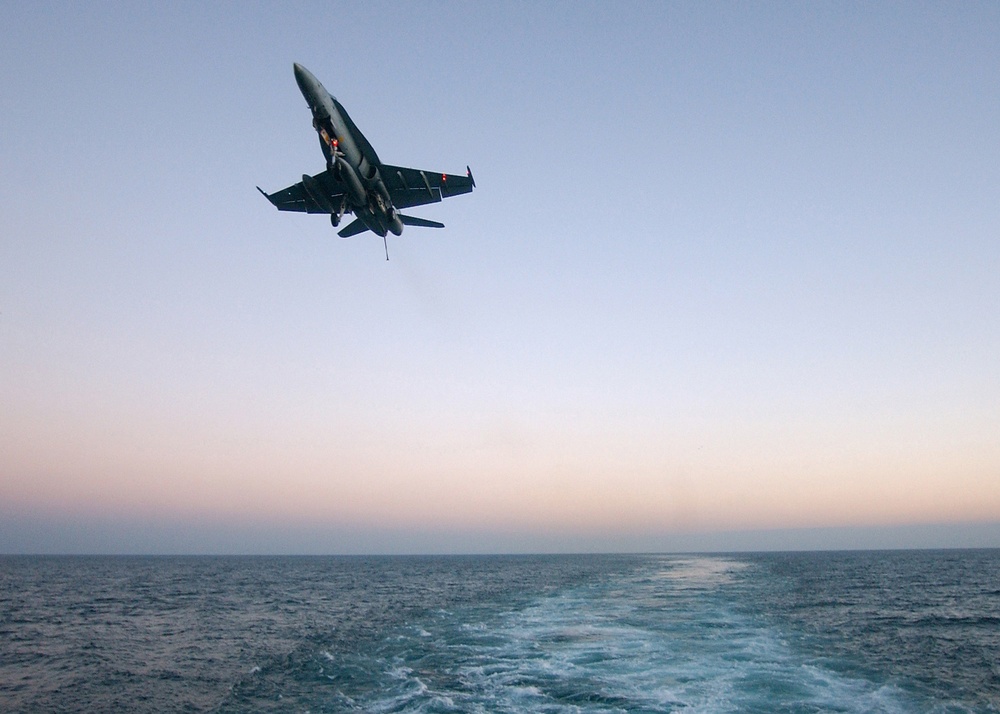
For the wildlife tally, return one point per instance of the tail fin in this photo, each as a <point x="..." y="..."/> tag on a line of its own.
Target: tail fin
<point x="353" y="228"/>
<point x="423" y="222"/>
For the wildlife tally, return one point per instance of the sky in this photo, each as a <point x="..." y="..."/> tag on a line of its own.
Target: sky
<point x="730" y="279"/>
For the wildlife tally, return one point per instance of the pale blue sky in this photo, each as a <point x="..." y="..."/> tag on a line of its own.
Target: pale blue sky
<point x="730" y="268"/>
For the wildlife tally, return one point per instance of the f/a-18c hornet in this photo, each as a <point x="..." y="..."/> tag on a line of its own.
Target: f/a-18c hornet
<point x="355" y="180"/>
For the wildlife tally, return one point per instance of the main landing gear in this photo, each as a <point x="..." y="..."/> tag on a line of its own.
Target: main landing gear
<point x="336" y="216"/>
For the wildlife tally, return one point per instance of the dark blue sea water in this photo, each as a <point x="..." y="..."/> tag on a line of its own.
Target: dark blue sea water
<point x="903" y="631"/>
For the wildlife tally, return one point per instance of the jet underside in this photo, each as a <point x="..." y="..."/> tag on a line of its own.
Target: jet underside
<point x="355" y="180"/>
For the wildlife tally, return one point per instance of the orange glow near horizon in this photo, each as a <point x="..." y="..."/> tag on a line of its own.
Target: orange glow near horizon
<point x="520" y="486"/>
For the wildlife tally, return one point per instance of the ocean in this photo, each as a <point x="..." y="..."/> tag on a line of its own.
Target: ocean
<point x="896" y="631"/>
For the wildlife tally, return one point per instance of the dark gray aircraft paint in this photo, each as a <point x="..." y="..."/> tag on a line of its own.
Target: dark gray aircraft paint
<point x="355" y="180"/>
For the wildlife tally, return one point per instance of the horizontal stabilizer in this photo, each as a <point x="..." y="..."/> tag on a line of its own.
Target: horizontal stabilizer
<point x="353" y="228"/>
<point x="423" y="222"/>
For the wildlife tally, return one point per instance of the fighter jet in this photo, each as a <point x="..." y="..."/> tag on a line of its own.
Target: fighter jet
<point x="355" y="180"/>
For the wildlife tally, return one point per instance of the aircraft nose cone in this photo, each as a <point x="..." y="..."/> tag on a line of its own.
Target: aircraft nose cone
<point x="316" y="97"/>
<point x="304" y="78"/>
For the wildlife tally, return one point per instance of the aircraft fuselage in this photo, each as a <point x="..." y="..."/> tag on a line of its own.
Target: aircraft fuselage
<point x="350" y="158"/>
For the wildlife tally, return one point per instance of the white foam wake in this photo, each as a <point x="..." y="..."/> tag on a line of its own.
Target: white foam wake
<point x="667" y="638"/>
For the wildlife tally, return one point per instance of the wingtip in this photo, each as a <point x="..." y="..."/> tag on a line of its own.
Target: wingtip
<point x="266" y="195"/>
<point x="468" y="172"/>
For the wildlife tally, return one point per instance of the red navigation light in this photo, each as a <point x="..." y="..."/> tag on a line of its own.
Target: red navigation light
<point x="444" y="177"/>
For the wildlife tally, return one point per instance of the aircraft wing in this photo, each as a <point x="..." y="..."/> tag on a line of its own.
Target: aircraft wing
<point x="413" y="187"/>
<point x="296" y="198"/>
